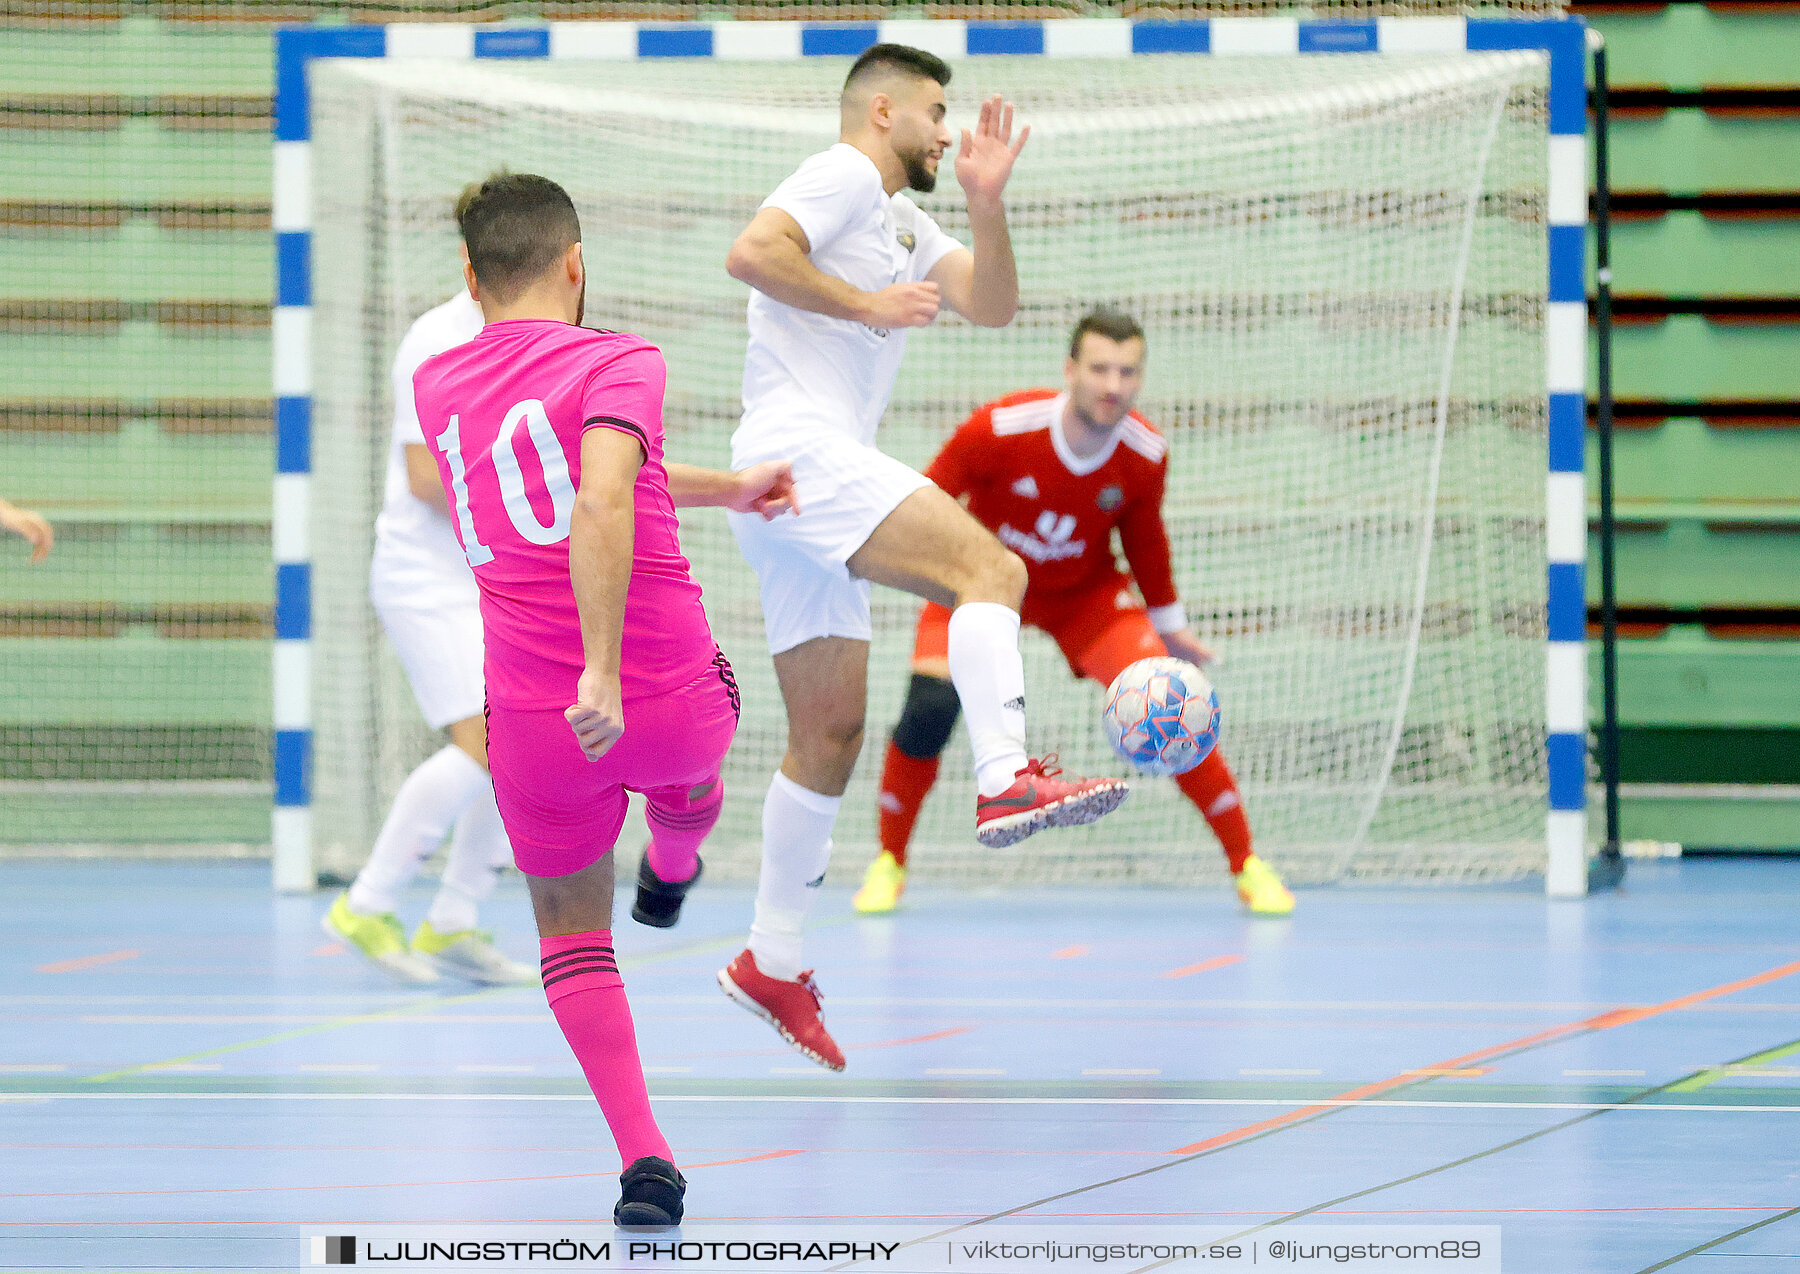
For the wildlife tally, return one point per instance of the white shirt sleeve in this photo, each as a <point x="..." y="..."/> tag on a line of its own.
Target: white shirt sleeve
<point x="407" y="428"/>
<point x="822" y="196"/>
<point x="449" y="325"/>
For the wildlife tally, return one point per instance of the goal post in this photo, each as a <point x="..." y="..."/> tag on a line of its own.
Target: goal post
<point x="1357" y="249"/>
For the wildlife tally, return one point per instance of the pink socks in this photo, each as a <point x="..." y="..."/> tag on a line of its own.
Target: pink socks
<point x="582" y="983"/>
<point x="678" y="823"/>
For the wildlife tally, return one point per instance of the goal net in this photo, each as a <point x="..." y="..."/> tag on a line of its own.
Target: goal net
<point x="1340" y="266"/>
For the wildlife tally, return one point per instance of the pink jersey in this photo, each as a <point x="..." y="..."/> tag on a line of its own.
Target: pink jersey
<point x="504" y="415"/>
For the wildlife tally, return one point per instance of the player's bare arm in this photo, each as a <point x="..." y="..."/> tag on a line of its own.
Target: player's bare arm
<point x="422" y="477"/>
<point x="982" y="285"/>
<point x="602" y="531"/>
<point x="34" y="527"/>
<point x="771" y="255"/>
<point x="766" y="488"/>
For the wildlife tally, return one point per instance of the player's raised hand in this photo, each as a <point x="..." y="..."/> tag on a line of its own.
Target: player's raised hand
<point x="766" y="488"/>
<point x="598" y="714"/>
<point x="32" y="526"/>
<point x="904" y="305"/>
<point x="986" y="157"/>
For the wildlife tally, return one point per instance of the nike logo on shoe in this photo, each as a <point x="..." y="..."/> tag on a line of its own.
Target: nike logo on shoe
<point x="1024" y="800"/>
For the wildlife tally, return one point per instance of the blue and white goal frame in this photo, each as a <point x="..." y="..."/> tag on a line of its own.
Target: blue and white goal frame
<point x="1563" y="40"/>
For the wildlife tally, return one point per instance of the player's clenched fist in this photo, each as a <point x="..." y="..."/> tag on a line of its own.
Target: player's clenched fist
<point x="904" y="305"/>
<point x="766" y="489"/>
<point x="597" y="716"/>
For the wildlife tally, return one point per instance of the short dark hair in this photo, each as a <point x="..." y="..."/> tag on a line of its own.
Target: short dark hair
<point x="517" y="227"/>
<point x="1114" y="325"/>
<point x="898" y="57"/>
<point x="469" y="192"/>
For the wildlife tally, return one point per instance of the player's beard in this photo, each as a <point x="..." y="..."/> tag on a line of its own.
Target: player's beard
<point x="918" y="176"/>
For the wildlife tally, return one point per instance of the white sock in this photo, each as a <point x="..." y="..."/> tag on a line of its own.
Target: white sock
<point x="796" y="848"/>
<point x="430" y="800"/>
<point x="478" y="850"/>
<point x="989" y="677"/>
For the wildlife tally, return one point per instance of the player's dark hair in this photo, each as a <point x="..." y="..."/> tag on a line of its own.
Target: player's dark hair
<point x="1114" y="325"/>
<point x="469" y="192"/>
<point x="517" y="227"/>
<point x="898" y="57"/>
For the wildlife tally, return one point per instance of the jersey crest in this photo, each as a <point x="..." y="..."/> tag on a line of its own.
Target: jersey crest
<point x="1111" y="497"/>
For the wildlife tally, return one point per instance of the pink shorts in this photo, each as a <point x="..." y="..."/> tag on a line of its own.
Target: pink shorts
<point x="562" y="811"/>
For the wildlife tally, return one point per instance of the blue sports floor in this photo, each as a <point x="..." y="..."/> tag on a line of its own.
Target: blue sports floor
<point x="1614" y="1083"/>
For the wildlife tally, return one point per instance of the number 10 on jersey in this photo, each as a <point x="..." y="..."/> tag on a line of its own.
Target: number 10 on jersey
<point x="557" y="487"/>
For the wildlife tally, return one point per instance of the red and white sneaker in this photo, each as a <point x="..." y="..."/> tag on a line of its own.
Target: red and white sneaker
<point x="790" y="1007"/>
<point x="1038" y="799"/>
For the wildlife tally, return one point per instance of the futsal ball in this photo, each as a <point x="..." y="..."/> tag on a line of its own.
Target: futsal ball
<point x="1162" y="715"/>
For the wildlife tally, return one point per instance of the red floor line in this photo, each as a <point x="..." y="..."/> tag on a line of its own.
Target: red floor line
<point x="383" y="1185"/>
<point x="88" y="962"/>
<point x="912" y="1039"/>
<point x="1599" y="1022"/>
<point x="1188" y="970"/>
<point x="788" y="1052"/>
<point x="1070" y="953"/>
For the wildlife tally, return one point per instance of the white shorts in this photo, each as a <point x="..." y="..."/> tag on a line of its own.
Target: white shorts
<point x="845" y="491"/>
<point x="437" y="634"/>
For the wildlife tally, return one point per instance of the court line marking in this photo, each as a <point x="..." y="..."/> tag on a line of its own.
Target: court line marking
<point x="1723" y="1238"/>
<point x="945" y="1034"/>
<point x="1268" y="1127"/>
<point x="1713" y="1074"/>
<point x="1188" y="970"/>
<point x="421" y="1005"/>
<point x="824" y="1099"/>
<point x="382" y="1185"/>
<point x="1584" y="1026"/>
<point x="942" y="1002"/>
<point x="1504" y="1146"/>
<point x="88" y="962"/>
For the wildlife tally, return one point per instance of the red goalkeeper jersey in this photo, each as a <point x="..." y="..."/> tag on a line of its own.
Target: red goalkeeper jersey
<point x="1058" y="512"/>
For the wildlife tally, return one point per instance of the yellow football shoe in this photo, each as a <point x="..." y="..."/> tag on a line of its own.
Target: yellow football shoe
<point x="1261" y="890"/>
<point x="882" y="886"/>
<point x="380" y="939"/>
<point x="471" y="954"/>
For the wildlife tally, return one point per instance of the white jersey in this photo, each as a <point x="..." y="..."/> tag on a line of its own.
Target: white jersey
<point x="806" y="368"/>
<point x="415" y="545"/>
